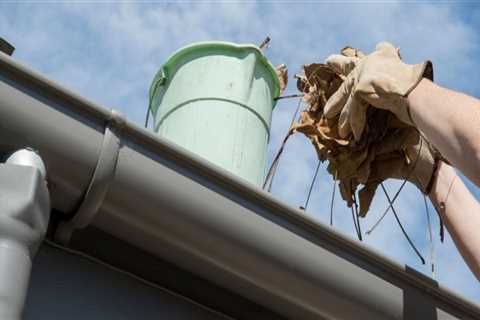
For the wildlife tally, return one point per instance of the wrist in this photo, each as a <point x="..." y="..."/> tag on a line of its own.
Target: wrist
<point x="420" y="74"/>
<point x="418" y="98"/>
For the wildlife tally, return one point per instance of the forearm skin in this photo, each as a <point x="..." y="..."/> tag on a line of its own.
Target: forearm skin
<point x="451" y="122"/>
<point x="460" y="212"/>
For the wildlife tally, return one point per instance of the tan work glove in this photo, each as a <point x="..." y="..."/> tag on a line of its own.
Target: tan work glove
<point x="379" y="79"/>
<point x="416" y="164"/>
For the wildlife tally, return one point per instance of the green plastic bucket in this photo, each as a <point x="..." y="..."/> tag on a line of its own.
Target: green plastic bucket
<point x="216" y="100"/>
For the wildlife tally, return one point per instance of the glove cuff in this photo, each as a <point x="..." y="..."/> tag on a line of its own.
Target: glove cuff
<point x="425" y="167"/>
<point x="420" y="71"/>
<point x="429" y="187"/>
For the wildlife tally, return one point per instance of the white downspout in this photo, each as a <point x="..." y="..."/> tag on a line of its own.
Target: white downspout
<point x="24" y="214"/>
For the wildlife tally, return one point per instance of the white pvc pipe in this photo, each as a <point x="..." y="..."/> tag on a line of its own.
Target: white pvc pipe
<point x="27" y="157"/>
<point x="24" y="214"/>
<point x="15" y="266"/>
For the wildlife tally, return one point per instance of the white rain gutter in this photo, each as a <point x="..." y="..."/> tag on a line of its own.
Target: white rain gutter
<point x="176" y="206"/>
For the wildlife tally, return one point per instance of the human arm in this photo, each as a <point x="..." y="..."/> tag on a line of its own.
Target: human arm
<point x="451" y="122"/>
<point x="460" y="212"/>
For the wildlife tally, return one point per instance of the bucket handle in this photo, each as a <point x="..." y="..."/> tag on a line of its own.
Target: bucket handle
<point x="158" y="81"/>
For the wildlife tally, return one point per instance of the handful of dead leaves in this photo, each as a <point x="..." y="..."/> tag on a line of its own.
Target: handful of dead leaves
<point x="355" y="164"/>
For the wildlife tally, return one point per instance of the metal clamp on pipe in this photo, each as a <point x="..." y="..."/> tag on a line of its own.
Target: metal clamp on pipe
<point x="24" y="215"/>
<point x="100" y="182"/>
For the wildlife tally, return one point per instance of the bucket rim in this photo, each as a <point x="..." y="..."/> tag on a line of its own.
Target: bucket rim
<point x="160" y="75"/>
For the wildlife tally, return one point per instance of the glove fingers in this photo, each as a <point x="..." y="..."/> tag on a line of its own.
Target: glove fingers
<point x="394" y="167"/>
<point x="388" y="49"/>
<point x="357" y="116"/>
<point x="342" y="64"/>
<point x="398" y="140"/>
<point x="344" y="127"/>
<point x="336" y="102"/>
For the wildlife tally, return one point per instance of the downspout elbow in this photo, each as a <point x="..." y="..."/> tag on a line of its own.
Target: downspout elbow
<point x="24" y="215"/>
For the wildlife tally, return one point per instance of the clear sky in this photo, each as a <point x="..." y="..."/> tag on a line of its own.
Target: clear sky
<point x="110" y="53"/>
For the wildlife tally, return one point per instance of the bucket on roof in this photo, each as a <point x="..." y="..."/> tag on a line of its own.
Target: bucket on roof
<point x="216" y="100"/>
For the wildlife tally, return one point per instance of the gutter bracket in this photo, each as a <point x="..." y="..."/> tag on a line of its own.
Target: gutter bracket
<point x="100" y="182"/>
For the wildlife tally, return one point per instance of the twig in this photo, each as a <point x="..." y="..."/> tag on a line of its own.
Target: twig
<point x="299" y="76"/>
<point x="390" y="205"/>
<point x="333" y="198"/>
<point x="357" y="217"/>
<point x="267" y="184"/>
<point x="401" y="226"/>
<point x="442" y="230"/>
<point x="311" y="186"/>
<point x="430" y="238"/>
<point x="147" y="117"/>
<point x="290" y="96"/>
<point x="386" y="210"/>
<point x="265" y="43"/>
<point x="354" y="222"/>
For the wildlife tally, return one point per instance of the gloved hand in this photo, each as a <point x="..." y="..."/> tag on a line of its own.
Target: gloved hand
<point x="379" y="79"/>
<point x="417" y="164"/>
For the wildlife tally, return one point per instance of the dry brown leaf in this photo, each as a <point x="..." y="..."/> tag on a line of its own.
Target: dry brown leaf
<point x="378" y="155"/>
<point x="282" y="74"/>
<point x="365" y="197"/>
<point x="352" y="52"/>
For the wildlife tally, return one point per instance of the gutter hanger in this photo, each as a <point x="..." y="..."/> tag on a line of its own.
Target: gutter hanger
<point x="100" y="182"/>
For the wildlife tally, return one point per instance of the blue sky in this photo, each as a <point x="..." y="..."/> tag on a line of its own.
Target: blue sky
<point x="110" y="53"/>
